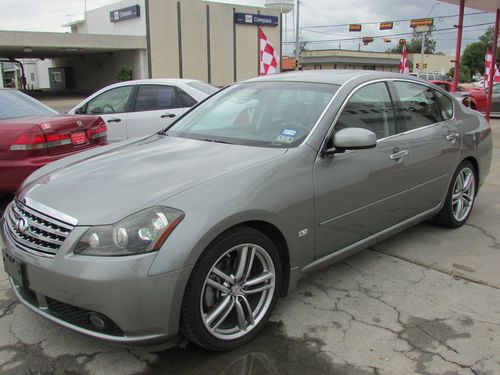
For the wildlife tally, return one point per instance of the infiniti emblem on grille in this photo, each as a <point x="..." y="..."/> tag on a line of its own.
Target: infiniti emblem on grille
<point x="22" y="224"/>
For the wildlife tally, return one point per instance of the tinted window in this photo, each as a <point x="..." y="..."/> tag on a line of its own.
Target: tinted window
<point x="496" y="89"/>
<point x="111" y="101"/>
<point x="184" y="100"/>
<point x="370" y="108"/>
<point x="445" y="104"/>
<point x="16" y="104"/>
<point x="266" y="114"/>
<point x="155" y="97"/>
<point x="419" y="106"/>
<point x="203" y="87"/>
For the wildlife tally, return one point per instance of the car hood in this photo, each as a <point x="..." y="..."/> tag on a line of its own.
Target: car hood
<point x="110" y="185"/>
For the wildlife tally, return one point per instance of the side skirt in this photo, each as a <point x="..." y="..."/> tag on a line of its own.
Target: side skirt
<point x="298" y="273"/>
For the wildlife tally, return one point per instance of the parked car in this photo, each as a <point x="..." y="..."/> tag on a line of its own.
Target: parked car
<point x="142" y="107"/>
<point x="33" y="135"/>
<point x="478" y="99"/>
<point x="495" y="99"/>
<point x="199" y="228"/>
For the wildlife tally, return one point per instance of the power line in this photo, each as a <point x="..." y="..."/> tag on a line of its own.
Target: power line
<point x="377" y="22"/>
<point x="389" y="35"/>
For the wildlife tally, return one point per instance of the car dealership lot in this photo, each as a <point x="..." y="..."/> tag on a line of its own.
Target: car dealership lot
<point x="427" y="301"/>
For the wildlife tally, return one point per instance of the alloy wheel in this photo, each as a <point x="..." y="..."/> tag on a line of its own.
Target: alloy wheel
<point x="463" y="194"/>
<point x="237" y="291"/>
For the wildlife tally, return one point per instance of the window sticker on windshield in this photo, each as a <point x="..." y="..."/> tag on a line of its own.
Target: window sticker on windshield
<point x="287" y="135"/>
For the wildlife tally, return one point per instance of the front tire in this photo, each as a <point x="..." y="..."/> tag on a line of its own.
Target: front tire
<point x="460" y="198"/>
<point x="232" y="290"/>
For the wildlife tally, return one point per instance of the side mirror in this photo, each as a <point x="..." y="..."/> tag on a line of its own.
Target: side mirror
<point x="352" y="139"/>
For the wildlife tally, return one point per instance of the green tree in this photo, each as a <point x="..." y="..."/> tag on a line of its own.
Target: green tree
<point x="415" y="44"/>
<point x="475" y="53"/>
<point x="124" y="74"/>
<point x="464" y="75"/>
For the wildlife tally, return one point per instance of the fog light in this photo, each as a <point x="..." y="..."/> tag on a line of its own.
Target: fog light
<point x="97" y="321"/>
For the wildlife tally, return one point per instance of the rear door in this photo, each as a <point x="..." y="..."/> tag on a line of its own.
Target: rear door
<point x="112" y="106"/>
<point x="155" y="107"/>
<point x="433" y="139"/>
<point x="361" y="192"/>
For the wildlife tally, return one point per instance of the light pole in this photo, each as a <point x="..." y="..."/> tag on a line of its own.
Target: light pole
<point x="297" y="42"/>
<point x="422" y="48"/>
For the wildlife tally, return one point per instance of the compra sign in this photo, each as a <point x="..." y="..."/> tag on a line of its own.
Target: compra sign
<point x="256" y="19"/>
<point x="123" y="14"/>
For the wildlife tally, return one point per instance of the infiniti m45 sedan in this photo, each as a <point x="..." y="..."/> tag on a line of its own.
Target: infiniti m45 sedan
<point x="198" y="229"/>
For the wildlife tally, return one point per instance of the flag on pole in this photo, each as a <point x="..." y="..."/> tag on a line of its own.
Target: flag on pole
<point x="487" y="69"/>
<point x="268" y="58"/>
<point x="404" y="65"/>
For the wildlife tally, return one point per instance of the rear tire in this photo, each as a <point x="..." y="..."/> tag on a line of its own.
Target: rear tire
<point x="460" y="197"/>
<point x="232" y="290"/>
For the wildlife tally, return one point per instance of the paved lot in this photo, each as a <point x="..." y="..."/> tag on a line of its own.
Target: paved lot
<point x="426" y="301"/>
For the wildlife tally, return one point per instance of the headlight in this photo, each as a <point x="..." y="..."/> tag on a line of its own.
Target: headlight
<point x="142" y="232"/>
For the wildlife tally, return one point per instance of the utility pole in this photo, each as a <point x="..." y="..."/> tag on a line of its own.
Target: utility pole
<point x="297" y="41"/>
<point x="422" y="53"/>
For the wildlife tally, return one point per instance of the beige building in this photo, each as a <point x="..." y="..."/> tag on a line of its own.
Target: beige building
<point x="198" y="39"/>
<point x="214" y="42"/>
<point x="365" y="60"/>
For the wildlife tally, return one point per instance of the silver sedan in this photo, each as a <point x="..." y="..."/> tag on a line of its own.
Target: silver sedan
<point x="200" y="228"/>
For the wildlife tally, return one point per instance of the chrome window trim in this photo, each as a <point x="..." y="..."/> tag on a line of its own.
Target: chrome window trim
<point x="360" y="86"/>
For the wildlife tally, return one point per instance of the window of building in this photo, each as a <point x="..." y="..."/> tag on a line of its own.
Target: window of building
<point x="32" y="77"/>
<point x="419" y="106"/>
<point x="369" y="108"/>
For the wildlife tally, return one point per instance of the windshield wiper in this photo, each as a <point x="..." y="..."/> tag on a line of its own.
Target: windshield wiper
<point x="215" y="141"/>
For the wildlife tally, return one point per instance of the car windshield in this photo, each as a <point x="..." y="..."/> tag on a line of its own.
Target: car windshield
<point x="265" y="114"/>
<point x="16" y="104"/>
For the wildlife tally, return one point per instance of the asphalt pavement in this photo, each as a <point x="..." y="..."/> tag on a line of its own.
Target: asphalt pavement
<point x="426" y="301"/>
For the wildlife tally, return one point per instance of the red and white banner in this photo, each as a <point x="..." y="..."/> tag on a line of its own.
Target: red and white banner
<point x="268" y="58"/>
<point x="487" y="69"/>
<point x="404" y="65"/>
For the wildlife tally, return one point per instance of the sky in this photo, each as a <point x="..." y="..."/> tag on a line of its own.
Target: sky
<point x="49" y="15"/>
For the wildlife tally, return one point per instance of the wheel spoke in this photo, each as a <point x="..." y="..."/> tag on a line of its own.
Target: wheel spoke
<point x="248" y="308"/>
<point x="468" y="182"/>
<point x="455" y="197"/>
<point x="218" y="286"/>
<point x="459" y="209"/>
<point x="240" y="263"/>
<point x="242" y="322"/>
<point x="224" y="316"/>
<point x="222" y="275"/>
<point x="249" y="264"/>
<point x="218" y="310"/>
<point x="258" y="289"/>
<point x="467" y="200"/>
<point x="264" y="276"/>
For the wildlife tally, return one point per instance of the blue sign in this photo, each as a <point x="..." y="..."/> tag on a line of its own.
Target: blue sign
<point x="256" y="19"/>
<point x="123" y="14"/>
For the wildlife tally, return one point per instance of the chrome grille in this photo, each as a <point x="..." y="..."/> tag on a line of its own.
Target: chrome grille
<point x="40" y="235"/>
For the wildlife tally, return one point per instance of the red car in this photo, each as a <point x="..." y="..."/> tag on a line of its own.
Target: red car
<point x="477" y="96"/>
<point x="32" y="135"/>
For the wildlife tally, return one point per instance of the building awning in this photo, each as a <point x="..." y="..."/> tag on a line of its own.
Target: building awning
<point x="26" y="44"/>
<point x="484" y="5"/>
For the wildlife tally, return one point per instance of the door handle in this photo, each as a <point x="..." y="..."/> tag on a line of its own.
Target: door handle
<point x="169" y="115"/>
<point x="398" y="155"/>
<point x="114" y="119"/>
<point x="452" y="137"/>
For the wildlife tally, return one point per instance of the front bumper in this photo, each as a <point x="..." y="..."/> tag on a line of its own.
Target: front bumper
<point x="137" y="308"/>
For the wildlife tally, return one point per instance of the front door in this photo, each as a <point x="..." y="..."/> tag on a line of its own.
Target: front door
<point x="112" y="106"/>
<point x="361" y="192"/>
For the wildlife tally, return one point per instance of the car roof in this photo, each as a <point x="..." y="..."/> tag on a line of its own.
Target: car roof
<point x="334" y="76"/>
